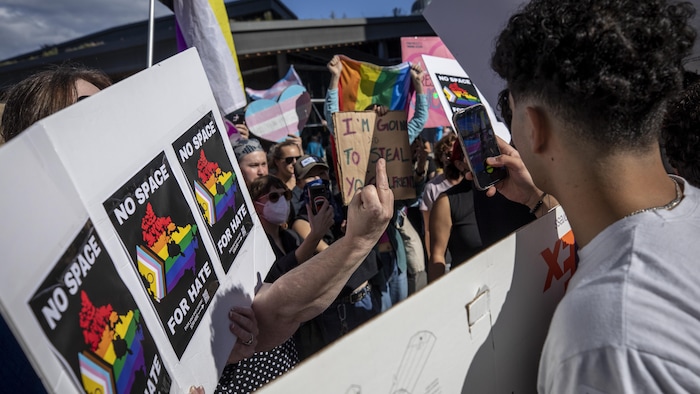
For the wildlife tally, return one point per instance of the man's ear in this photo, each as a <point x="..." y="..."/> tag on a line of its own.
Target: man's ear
<point x="539" y="129"/>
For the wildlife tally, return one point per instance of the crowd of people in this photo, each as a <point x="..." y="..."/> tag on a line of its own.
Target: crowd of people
<point x="604" y="121"/>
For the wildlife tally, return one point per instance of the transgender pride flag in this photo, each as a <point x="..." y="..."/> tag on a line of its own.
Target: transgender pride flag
<point x="291" y="78"/>
<point x="362" y="84"/>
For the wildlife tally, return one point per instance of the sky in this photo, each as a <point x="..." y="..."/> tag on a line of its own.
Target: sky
<point x="29" y="25"/>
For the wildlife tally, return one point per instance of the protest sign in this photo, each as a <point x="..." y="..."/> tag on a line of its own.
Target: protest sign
<point x="411" y="50"/>
<point x="456" y="90"/>
<point x="110" y="161"/>
<point x="361" y="139"/>
<point x="274" y="120"/>
<point x="216" y="187"/>
<point x="289" y="79"/>
<point x="158" y="230"/>
<point x="353" y="141"/>
<point x="478" y="329"/>
<point x="96" y="328"/>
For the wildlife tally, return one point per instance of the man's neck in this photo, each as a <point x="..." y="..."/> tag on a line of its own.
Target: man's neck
<point x="597" y="194"/>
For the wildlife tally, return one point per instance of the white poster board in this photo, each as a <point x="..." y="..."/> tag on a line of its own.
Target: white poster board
<point x="76" y="161"/>
<point x="473" y="51"/>
<point x="449" y="78"/>
<point x="479" y="329"/>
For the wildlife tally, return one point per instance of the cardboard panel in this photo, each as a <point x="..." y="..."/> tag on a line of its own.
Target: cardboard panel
<point x="361" y="139"/>
<point x="478" y="329"/>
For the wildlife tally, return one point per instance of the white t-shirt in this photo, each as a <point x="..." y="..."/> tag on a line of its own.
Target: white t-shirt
<point x="630" y="320"/>
<point x="432" y="191"/>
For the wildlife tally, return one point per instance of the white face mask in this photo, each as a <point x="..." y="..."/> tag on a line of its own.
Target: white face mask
<point x="276" y="212"/>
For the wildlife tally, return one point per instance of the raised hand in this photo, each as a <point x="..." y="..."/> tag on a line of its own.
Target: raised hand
<point x="335" y="66"/>
<point x="417" y="77"/>
<point x="371" y="209"/>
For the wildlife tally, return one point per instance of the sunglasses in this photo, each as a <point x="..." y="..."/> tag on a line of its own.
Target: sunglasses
<point x="291" y="159"/>
<point x="273" y="197"/>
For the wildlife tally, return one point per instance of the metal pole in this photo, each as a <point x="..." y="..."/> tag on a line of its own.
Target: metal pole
<point x="151" y="22"/>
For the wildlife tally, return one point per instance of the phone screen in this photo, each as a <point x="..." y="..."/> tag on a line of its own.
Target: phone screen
<point x="478" y="141"/>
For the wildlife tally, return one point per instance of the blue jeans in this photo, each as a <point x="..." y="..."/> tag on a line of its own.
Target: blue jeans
<point x="394" y="288"/>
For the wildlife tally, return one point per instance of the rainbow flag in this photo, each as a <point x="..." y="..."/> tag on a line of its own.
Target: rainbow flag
<point x="362" y="84"/>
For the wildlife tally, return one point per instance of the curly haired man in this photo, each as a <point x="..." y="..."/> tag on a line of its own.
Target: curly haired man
<point x="589" y="83"/>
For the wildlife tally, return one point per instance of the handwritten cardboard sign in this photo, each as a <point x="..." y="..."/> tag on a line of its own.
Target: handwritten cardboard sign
<point x="361" y="139"/>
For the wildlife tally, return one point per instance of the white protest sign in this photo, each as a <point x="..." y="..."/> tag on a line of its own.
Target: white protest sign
<point x="151" y="183"/>
<point x="473" y="51"/>
<point x="456" y="90"/>
<point x="479" y="329"/>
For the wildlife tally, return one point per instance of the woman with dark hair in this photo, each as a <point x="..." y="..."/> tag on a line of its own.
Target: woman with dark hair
<point x="45" y="93"/>
<point x="453" y="225"/>
<point x="450" y="177"/>
<point x="31" y="100"/>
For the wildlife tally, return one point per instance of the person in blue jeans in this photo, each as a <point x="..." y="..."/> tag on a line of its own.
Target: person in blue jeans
<point x="392" y="278"/>
<point x="393" y="275"/>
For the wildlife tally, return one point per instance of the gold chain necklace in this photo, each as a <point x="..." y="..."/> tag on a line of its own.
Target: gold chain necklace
<point x="671" y="204"/>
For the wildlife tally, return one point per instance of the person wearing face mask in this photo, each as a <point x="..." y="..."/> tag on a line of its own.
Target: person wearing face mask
<point x="271" y="199"/>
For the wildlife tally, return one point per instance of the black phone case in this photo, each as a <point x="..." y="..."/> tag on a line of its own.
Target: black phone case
<point x="317" y="193"/>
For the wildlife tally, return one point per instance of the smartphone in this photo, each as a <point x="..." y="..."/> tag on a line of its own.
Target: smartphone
<point x="236" y="117"/>
<point x="478" y="141"/>
<point x="318" y="194"/>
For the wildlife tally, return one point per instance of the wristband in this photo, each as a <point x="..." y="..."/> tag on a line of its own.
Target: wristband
<point x="539" y="204"/>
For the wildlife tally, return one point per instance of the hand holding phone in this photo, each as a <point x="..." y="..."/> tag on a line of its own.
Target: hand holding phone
<point x="478" y="142"/>
<point x="318" y="194"/>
